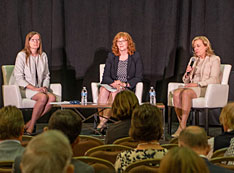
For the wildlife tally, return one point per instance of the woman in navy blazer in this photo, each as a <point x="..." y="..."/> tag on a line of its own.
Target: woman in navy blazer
<point x="123" y="69"/>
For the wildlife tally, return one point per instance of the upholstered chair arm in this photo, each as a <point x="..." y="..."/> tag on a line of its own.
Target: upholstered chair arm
<point x="12" y="96"/>
<point x="57" y="90"/>
<point x="139" y="91"/>
<point x="94" y="87"/>
<point x="216" y="95"/>
<point x="172" y="86"/>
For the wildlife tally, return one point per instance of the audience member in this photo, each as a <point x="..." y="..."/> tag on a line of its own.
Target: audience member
<point x="205" y="70"/>
<point x="182" y="160"/>
<point x="146" y="127"/>
<point x="230" y="151"/>
<point x="70" y="124"/>
<point x="227" y="120"/>
<point x="11" y="131"/>
<point x="124" y="104"/>
<point x="195" y="137"/>
<point x="48" y="152"/>
<point x="123" y="69"/>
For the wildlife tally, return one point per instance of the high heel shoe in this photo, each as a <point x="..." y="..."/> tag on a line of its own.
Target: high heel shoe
<point x="175" y="135"/>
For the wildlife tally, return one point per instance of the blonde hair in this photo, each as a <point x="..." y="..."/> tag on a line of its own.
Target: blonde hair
<point x="128" y="38"/>
<point x="206" y="42"/>
<point x="27" y="46"/>
<point x="227" y="115"/>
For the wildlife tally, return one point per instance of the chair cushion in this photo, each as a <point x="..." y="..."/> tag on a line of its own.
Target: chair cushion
<point x="28" y="103"/>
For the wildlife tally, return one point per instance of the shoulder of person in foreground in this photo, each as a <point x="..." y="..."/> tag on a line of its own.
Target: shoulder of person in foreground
<point x="82" y="167"/>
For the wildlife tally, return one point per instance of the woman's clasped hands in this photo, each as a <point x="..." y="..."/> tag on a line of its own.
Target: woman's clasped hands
<point x="118" y="85"/>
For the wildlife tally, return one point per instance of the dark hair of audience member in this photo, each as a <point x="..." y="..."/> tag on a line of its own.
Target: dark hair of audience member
<point x="66" y="121"/>
<point x="124" y="104"/>
<point x="182" y="159"/>
<point x="11" y="122"/>
<point x="146" y="123"/>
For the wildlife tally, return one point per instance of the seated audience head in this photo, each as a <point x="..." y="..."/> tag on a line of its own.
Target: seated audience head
<point x="11" y="123"/>
<point x="195" y="138"/>
<point x="227" y="116"/>
<point x="146" y="123"/>
<point x="47" y="152"/>
<point x="68" y="122"/>
<point x="124" y="104"/>
<point x="182" y="159"/>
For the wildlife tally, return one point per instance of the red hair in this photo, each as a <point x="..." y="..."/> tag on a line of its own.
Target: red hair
<point x="128" y="38"/>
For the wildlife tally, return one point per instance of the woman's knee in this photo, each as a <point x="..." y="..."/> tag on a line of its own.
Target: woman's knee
<point x="43" y="98"/>
<point x="176" y="94"/>
<point x="188" y="94"/>
<point x="103" y="91"/>
<point x="52" y="98"/>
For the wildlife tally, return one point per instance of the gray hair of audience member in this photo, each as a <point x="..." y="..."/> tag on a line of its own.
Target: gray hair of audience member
<point x="182" y="159"/>
<point x="67" y="121"/>
<point x="11" y="122"/>
<point x="47" y="152"/>
<point x="193" y="137"/>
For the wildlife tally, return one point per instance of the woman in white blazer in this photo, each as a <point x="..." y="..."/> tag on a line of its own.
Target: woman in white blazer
<point x="32" y="75"/>
<point x="203" y="69"/>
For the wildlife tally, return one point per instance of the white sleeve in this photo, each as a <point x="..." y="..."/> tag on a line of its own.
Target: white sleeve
<point x="20" y="63"/>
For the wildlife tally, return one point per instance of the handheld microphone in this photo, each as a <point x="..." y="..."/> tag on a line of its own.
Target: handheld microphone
<point x="191" y="64"/>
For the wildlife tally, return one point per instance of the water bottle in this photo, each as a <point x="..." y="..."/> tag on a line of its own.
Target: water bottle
<point x="84" y="95"/>
<point x="152" y="94"/>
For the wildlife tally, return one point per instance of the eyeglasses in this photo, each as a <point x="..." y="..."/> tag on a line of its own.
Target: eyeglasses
<point x="121" y="41"/>
<point x="35" y="40"/>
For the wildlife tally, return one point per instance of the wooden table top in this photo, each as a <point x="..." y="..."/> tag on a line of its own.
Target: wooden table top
<point x="96" y="105"/>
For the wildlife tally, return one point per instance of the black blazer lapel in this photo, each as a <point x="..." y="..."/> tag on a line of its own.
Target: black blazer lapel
<point x="129" y="65"/>
<point x="116" y="62"/>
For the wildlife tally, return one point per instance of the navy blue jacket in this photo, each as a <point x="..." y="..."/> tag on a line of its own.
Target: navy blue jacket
<point x="134" y="69"/>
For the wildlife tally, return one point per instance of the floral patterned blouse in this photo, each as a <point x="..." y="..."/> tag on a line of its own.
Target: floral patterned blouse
<point x="125" y="158"/>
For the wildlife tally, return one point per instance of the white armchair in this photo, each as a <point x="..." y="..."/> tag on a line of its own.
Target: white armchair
<point x="12" y="95"/>
<point x="94" y="87"/>
<point x="216" y="97"/>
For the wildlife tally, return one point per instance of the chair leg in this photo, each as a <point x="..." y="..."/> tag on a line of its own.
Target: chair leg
<point x="169" y="120"/>
<point x="196" y="117"/>
<point x="207" y="120"/>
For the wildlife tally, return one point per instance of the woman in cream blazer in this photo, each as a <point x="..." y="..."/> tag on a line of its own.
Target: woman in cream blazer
<point x="32" y="75"/>
<point x="203" y="69"/>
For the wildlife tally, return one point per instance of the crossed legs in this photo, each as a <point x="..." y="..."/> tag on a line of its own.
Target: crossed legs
<point x="182" y="99"/>
<point x="41" y="106"/>
<point x="104" y="97"/>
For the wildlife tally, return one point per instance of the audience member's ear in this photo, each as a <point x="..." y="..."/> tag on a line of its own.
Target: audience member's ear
<point x="22" y="131"/>
<point x="180" y="144"/>
<point x="45" y="129"/>
<point x="70" y="168"/>
<point x="225" y="127"/>
<point x="77" y="140"/>
<point x="207" y="150"/>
